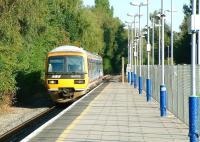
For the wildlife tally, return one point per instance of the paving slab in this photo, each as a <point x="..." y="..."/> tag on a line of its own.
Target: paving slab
<point x="115" y="112"/>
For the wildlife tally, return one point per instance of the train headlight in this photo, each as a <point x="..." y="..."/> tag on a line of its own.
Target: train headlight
<point x="52" y="81"/>
<point x="79" y="81"/>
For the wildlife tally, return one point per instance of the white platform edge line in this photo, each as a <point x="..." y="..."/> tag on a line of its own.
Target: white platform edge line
<point x="37" y="131"/>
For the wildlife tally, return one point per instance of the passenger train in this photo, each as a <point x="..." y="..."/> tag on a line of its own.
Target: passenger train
<point x="71" y="72"/>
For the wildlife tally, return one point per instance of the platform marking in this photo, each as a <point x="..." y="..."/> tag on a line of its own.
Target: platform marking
<point x="68" y="129"/>
<point x="41" y="128"/>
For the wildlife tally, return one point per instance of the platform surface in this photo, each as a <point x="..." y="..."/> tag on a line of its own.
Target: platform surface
<point x="115" y="112"/>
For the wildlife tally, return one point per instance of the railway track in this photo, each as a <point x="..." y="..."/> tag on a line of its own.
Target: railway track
<point x="22" y="130"/>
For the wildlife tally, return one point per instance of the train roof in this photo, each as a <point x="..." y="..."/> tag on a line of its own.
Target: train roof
<point x="69" y="48"/>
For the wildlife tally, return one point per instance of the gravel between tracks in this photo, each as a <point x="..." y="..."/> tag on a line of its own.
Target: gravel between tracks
<point x="17" y="115"/>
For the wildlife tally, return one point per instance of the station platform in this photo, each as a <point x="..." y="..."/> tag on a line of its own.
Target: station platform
<point x="114" y="112"/>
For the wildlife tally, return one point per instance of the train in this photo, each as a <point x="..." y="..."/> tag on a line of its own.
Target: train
<point x="71" y="72"/>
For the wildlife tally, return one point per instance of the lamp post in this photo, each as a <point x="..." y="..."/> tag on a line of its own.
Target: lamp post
<point x="163" y="94"/>
<point x="137" y="42"/>
<point x="128" y="67"/>
<point x="133" y="46"/>
<point x="168" y="54"/>
<point x="159" y="43"/>
<point x="198" y="57"/>
<point x="136" y="51"/>
<point x="148" y="80"/>
<point x="131" y="52"/>
<point x="172" y="34"/>
<point x="193" y="99"/>
<point x="159" y="35"/>
<point x="143" y="35"/>
<point x="140" y="75"/>
<point x="153" y="26"/>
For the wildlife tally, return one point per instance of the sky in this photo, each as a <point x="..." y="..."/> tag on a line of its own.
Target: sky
<point x="122" y="7"/>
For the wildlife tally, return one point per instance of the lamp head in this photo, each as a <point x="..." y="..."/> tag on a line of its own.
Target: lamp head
<point x="171" y="11"/>
<point x="143" y="4"/>
<point x="128" y="23"/>
<point x="158" y="16"/>
<point x="128" y="14"/>
<point x="145" y="33"/>
<point x="167" y="10"/>
<point x="137" y="15"/>
<point x="134" y="4"/>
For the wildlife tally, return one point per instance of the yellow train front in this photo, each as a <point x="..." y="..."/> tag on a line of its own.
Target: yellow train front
<point x="71" y="72"/>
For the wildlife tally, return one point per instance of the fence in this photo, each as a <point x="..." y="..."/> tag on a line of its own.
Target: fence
<point x="179" y="87"/>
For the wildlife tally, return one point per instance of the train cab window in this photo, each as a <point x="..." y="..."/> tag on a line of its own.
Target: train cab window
<point x="74" y="64"/>
<point x="56" y="64"/>
<point x="66" y="64"/>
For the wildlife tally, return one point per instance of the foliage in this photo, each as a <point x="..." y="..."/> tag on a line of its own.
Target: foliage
<point x="31" y="28"/>
<point x="114" y="37"/>
<point x="182" y="51"/>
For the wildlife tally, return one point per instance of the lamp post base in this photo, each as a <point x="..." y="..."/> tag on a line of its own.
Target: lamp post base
<point x="163" y="100"/>
<point x="129" y="76"/>
<point x="193" y="118"/>
<point x="140" y="85"/>
<point x="135" y="80"/>
<point x="132" y="78"/>
<point x="148" y="90"/>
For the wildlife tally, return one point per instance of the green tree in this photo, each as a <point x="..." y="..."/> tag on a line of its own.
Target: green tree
<point x="113" y="36"/>
<point x="182" y="52"/>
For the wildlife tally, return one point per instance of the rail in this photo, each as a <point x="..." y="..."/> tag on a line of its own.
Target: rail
<point x="17" y="131"/>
